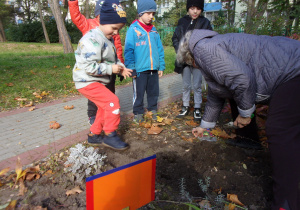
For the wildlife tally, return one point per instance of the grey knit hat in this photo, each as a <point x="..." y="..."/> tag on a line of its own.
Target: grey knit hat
<point x="146" y="6"/>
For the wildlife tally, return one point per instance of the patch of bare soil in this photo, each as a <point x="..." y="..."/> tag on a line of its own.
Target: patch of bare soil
<point x="181" y="162"/>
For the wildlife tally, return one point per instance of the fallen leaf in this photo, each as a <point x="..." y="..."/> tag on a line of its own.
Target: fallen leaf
<point x="30" y="176"/>
<point x="47" y="173"/>
<point x="159" y="119"/>
<point x="173" y="128"/>
<point x="20" y="99"/>
<point x="244" y="166"/>
<point x="29" y="105"/>
<point x="9" y="84"/>
<point x="168" y="121"/>
<point x="54" y="66"/>
<point x="74" y="191"/>
<point x="44" y="93"/>
<point x="220" y="133"/>
<point x="19" y="170"/>
<point x="148" y="115"/>
<point x="31" y="109"/>
<point x="68" y="66"/>
<point x="54" y="125"/>
<point x="22" y="189"/>
<point x="11" y="205"/>
<point x="69" y="107"/>
<point x="147" y="125"/>
<point x="4" y="171"/>
<point x="32" y="72"/>
<point x="154" y="130"/>
<point x="234" y="198"/>
<point x="191" y="123"/>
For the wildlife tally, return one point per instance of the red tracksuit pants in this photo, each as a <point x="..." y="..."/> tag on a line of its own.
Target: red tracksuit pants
<point x="108" y="113"/>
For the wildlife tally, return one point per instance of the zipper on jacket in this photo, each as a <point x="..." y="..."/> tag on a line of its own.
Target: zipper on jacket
<point x="150" y="48"/>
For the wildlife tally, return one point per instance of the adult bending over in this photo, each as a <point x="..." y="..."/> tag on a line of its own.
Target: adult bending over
<point x="254" y="69"/>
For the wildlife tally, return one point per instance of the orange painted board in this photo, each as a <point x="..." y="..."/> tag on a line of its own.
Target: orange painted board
<point x="132" y="186"/>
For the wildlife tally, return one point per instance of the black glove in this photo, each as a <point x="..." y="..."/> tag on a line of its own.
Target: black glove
<point x="133" y="73"/>
<point x="121" y="78"/>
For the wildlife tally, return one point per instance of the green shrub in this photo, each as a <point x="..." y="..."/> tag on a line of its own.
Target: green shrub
<point x="33" y="32"/>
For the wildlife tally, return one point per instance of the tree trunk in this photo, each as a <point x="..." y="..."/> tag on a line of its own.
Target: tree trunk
<point x="65" y="11"/>
<point x="62" y="31"/>
<point x="249" y="23"/>
<point x="2" y="33"/>
<point x="43" y="23"/>
<point x="87" y="9"/>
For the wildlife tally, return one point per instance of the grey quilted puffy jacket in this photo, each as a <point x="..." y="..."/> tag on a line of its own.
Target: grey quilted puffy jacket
<point x="245" y="67"/>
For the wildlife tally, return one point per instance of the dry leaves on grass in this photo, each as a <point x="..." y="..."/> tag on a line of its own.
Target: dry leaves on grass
<point x="54" y="125"/>
<point x="74" y="191"/>
<point x="9" y="84"/>
<point x="68" y="107"/>
<point x="29" y="104"/>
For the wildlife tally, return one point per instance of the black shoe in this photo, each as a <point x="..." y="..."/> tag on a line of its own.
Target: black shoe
<point x="184" y="112"/>
<point x="244" y="143"/>
<point x="113" y="141"/>
<point x="197" y="115"/>
<point x="95" y="139"/>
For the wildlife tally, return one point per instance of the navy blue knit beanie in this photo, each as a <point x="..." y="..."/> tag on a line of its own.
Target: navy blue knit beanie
<point x="195" y="3"/>
<point x="146" y="6"/>
<point x="111" y="12"/>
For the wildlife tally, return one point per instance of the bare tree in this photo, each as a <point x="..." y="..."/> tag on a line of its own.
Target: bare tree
<point x="87" y="9"/>
<point x="65" y="9"/>
<point x="255" y="11"/>
<point x="43" y="23"/>
<point x="62" y="31"/>
<point x="6" y="11"/>
<point x="2" y="34"/>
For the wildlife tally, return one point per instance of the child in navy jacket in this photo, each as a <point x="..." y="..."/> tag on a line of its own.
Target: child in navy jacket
<point x="144" y="54"/>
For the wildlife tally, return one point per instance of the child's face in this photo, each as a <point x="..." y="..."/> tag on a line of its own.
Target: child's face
<point x="194" y="12"/>
<point x="147" y="17"/>
<point x="109" y="30"/>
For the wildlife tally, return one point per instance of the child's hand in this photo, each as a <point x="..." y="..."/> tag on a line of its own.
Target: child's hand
<point x="117" y="69"/>
<point x="160" y="73"/>
<point x="126" y="72"/>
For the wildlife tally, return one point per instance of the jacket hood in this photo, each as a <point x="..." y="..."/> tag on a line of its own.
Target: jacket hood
<point x="199" y="34"/>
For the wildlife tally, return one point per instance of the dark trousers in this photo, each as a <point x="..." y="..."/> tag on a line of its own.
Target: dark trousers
<point x="92" y="108"/>
<point x="283" y="132"/>
<point x="145" y="82"/>
<point x="248" y="132"/>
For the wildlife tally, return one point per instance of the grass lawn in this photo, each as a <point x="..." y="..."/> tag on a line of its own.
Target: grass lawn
<point x="38" y="72"/>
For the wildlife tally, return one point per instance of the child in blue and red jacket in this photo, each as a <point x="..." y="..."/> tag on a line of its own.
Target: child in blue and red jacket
<point x="144" y="54"/>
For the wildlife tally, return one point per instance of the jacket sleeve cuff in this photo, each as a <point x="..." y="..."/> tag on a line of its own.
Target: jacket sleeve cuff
<point x="205" y="124"/>
<point x="248" y="112"/>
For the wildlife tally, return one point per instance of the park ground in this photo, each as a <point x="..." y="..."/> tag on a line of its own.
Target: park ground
<point x="189" y="171"/>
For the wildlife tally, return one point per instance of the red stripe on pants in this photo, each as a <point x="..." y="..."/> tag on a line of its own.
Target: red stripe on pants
<point x="107" y="102"/>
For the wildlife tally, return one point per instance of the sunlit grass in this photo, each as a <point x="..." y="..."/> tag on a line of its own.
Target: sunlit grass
<point x="28" y="69"/>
